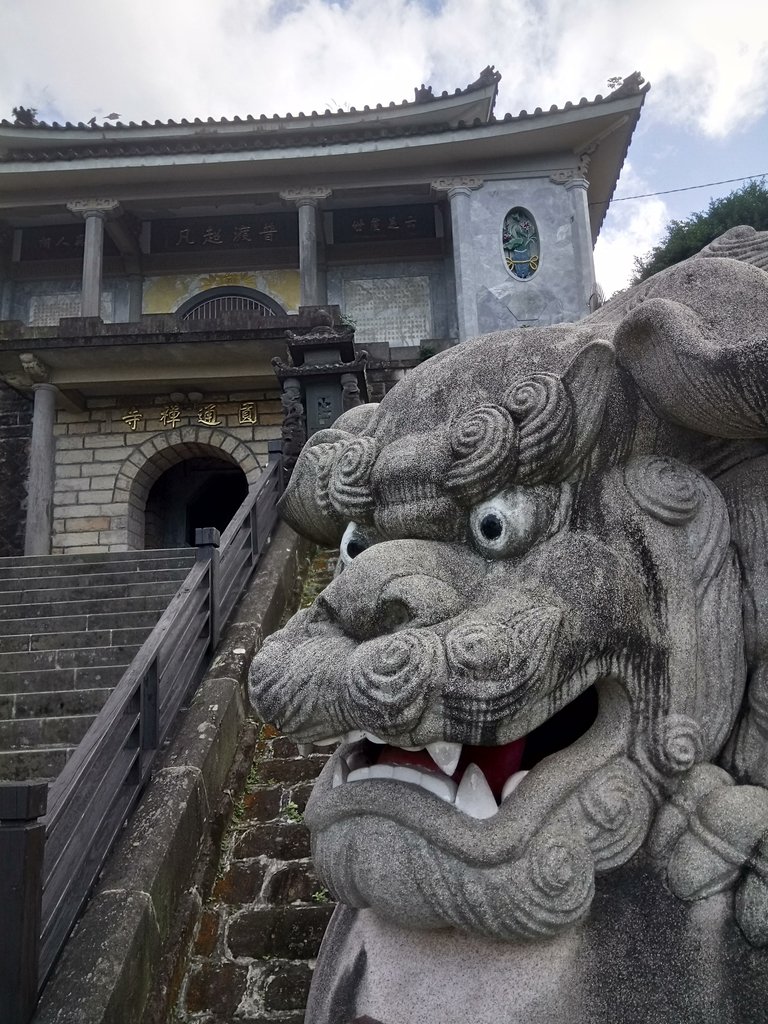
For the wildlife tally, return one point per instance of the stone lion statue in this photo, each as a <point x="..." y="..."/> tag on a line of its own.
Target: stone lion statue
<point x="545" y="659"/>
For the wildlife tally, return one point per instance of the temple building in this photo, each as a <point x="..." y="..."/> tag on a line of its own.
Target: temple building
<point x="175" y="296"/>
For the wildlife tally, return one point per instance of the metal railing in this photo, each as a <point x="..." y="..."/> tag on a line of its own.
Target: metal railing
<point x="55" y="838"/>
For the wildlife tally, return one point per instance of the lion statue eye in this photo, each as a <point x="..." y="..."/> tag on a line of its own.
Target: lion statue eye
<point x="513" y="520"/>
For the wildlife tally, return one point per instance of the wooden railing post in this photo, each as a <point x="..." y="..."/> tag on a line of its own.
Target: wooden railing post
<point x="22" y="846"/>
<point x="275" y="449"/>
<point x="207" y="542"/>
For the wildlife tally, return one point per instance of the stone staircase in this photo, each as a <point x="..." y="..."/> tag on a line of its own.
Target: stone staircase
<point x="69" y="627"/>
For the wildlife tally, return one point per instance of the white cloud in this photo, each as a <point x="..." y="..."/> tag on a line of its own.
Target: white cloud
<point x="173" y="58"/>
<point x="631" y="229"/>
<point x="161" y="59"/>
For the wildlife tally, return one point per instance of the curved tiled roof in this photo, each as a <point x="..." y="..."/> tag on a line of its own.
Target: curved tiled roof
<point x="23" y="143"/>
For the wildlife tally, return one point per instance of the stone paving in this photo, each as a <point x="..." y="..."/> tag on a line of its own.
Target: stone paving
<point x="260" y="929"/>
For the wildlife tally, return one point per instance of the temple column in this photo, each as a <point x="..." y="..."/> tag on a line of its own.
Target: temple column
<point x="577" y="188"/>
<point x="94" y="212"/>
<point x="37" y="538"/>
<point x="307" y="201"/>
<point x="458" y="191"/>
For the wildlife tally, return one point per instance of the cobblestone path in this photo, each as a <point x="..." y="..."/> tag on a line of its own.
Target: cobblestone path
<point x="260" y="929"/>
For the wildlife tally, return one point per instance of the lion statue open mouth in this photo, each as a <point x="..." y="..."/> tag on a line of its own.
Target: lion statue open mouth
<point x="546" y="646"/>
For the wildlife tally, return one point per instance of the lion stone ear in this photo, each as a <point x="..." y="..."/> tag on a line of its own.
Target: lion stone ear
<point x="699" y="353"/>
<point x="588" y="379"/>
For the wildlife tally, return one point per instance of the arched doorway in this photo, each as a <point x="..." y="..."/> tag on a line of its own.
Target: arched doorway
<point x="215" y="461"/>
<point x="197" y="492"/>
<point x="216" y="302"/>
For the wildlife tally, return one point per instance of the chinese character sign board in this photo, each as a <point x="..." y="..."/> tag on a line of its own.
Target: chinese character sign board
<point x="384" y="223"/>
<point x="212" y="234"/>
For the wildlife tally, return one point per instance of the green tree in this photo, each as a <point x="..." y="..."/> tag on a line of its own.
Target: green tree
<point x="684" y="238"/>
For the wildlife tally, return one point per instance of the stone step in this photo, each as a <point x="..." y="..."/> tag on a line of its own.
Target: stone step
<point x="25" y="570"/>
<point x="53" y="679"/>
<point x="96" y="558"/>
<point x="90" y="605"/>
<point x="72" y="624"/>
<point x="29" y="733"/>
<point x="51" y="641"/>
<point x="20" y="662"/>
<point x="56" y="703"/>
<point x="88" y="581"/>
<point x="40" y="763"/>
<point x="90" y="594"/>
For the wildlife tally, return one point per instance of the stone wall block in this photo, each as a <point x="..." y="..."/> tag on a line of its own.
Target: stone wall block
<point x="109" y="454"/>
<point x="68" y="541"/>
<point x="218" y="986"/>
<point x="67" y="443"/>
<point x="78" y="454"/>
<point x="241" y="884"/>
<point x="112" y="536"/>
<point x="86" y="523"/>
<point x="102" y="469"/>
<point x="294" y="933"/>
<point x="79" y="428"/>
<point x="63" y="485"/>
<point x="106" y="441"/>
<point x="287" y="841"/>
<point x="286" y="986"/>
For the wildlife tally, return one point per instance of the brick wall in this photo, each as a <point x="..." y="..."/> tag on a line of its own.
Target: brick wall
<point x="15" y="434"/>
<point x="109" y="455"/>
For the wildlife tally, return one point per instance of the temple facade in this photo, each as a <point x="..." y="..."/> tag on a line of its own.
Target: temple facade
<point x="151" y="274"/>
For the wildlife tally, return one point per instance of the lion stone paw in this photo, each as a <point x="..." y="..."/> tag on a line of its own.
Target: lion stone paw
<point x="714" y="837"/>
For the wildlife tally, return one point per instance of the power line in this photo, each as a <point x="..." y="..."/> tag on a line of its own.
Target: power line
<point x="687" y="188"/>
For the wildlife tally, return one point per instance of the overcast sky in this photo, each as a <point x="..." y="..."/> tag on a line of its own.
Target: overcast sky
<point x="705" y="119"/>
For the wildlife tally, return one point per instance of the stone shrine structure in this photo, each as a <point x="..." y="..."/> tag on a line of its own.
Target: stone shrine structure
<point x="545" y="661"/>
<point x="149" y="274"/>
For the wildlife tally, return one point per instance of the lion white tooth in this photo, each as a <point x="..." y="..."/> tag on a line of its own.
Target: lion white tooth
<point x="411" y="775"/>
<point x="375" y="771"/>
<point x="440" y="785"/>
<point x="340" y="773"/>
<point x="511" y="784"/>
<point x="411" y="750"/>
<point x="329" y="741"/>
<point x="445" y="755"/>
<point x="354" y="735"/>
<point x="474" y="796"/>
<point x="304" y="748"/>
<point x="374" y="738"/>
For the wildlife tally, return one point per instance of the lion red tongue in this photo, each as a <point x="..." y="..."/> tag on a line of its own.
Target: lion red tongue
<point x="496" y="763"/>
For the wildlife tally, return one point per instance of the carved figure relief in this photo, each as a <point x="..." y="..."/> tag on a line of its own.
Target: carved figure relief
<point x="520" y="242"/>
<point x="547" y="649"/>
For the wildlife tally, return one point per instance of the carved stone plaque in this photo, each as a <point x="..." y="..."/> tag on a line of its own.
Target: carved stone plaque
<point x="397" y="310"/>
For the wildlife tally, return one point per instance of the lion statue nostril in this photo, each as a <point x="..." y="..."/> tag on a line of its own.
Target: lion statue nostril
<point x="392" y="615"/>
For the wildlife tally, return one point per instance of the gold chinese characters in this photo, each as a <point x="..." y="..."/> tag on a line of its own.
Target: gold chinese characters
<point x="207" y="415"/>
